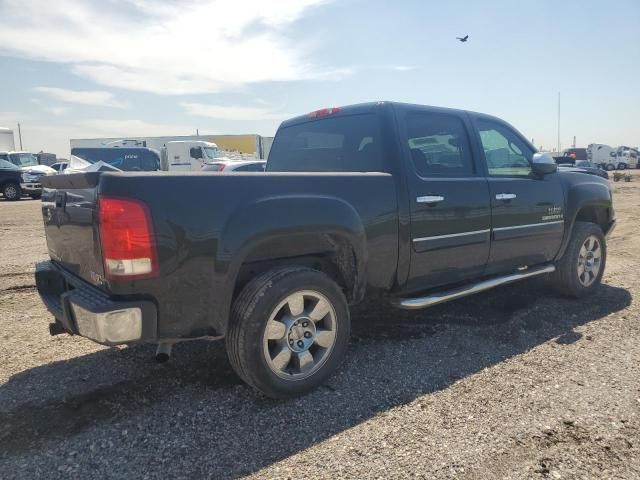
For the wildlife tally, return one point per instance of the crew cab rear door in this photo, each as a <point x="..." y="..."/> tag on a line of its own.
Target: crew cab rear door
<point x="527" y="210"/>
<point x="449" y="198"/>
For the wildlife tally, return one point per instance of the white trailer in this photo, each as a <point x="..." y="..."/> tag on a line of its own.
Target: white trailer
<point x="6" y="140"/>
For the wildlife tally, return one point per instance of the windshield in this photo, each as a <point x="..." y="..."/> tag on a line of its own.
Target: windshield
<point x="210" y="152"/>
<point x="24" y="159"/>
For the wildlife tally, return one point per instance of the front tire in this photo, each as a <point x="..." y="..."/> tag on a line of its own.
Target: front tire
<point x="580" y="270"/>
<point x="289" y="331"/>
<point x="12" y="191"/>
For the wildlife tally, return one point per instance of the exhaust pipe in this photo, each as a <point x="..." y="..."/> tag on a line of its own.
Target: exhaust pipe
<point x="163" y="353"/>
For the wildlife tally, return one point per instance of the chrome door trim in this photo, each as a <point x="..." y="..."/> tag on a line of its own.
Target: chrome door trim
<point x="528" y="225"/>
<point x="438" y="237"/>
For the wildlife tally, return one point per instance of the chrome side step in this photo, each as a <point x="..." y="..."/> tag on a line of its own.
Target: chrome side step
<point x="445" y="296"/>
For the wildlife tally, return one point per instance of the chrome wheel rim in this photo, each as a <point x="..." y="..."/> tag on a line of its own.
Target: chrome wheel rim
<point x="589" y="261"/>
<point x="299" y="335"/>
<point x="10" y="192"/>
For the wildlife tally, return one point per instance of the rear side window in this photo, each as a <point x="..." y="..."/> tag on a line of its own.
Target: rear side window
<point x="349" y="143"/>
<point x="439" y="145"/>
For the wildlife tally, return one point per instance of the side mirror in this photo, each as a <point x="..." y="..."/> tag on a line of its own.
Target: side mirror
<point x="543" y="164"/>
<point x="195" y="152"/>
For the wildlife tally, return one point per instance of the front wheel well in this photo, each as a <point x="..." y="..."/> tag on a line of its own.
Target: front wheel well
<point x="594" y="214"/>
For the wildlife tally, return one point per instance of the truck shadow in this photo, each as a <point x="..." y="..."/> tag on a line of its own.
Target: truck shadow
<point x="395" y="356"/>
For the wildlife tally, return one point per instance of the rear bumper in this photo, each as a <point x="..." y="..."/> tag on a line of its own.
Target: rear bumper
<point x="82" y="309"/>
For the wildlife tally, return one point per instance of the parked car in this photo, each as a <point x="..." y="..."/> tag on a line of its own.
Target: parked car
<point x="32" y="171"/>
<point x="10" y="179"/>
<point x="417" y="205"/>
<point x="235" y="166"/>
<point x="59" y="167"/>
<point x="128" y="159"/>
<point x="586" y="167"/>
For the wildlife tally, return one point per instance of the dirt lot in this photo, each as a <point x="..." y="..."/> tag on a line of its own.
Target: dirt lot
<point x="517" y="383"/>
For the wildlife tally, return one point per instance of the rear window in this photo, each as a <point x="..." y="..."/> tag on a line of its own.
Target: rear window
<point x="349" y="143"/>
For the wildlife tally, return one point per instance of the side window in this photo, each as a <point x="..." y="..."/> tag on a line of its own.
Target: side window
<point x="504" y="151"/>
<point x="343" y="143"/>
<point x="439" y="145"/>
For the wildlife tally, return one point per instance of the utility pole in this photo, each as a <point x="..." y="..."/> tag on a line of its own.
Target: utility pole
<point x="558" y="122"/>
<point x="20" y="136"/>
<point x="574" y="142"/>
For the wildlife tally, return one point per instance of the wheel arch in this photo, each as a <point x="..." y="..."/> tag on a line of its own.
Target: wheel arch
<point x="323" y="233"/>
<point x="587" y="202"/>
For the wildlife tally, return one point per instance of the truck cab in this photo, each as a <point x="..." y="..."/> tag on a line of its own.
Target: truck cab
<point x="187" y="155"/>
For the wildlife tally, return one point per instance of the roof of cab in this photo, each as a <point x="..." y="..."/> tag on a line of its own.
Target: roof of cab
<point x="368" y="107"/>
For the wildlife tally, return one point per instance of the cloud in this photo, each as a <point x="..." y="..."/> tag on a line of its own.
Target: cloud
<point x="82" y="97"/>
<point x="164" y="47"/>
<point x="232" y="113"/>
<point x="57" y="110"/>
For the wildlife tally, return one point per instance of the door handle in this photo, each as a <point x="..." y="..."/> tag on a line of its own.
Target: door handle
<point x="505" y="196"/>
<point x="430" y="199"/>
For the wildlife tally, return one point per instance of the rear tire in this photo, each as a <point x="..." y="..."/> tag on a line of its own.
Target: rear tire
<point x="12" y="191"/>
<point x="580" y="270"/>
<point x="289" y="331"/>
<point x="622" y="166"/>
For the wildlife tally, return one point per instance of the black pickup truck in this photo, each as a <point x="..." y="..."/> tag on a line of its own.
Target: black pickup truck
<point x="415" y="204"/>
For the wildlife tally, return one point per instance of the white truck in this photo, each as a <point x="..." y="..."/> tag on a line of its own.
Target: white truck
<point x="627" y="157"/>
<point x="31" y="171"/>
<point x="6" y="140"/>
<point x="187" y="155"/>
<point x="602" y="155"/>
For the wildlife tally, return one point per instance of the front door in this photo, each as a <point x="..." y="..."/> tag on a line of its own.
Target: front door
<point x="527" y="211"/>
<point x="450" y="212"/>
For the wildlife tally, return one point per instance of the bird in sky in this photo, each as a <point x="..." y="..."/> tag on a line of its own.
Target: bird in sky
<point x="463" y="39"/>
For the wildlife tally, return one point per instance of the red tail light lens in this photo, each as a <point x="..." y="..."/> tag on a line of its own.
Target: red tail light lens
<point x="323" y="112"/>
<point x="221" y="167"/>
<point x="126" y="234"/>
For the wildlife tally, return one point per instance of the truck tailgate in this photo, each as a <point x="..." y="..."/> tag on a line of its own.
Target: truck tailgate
<point x="69" y="212"/>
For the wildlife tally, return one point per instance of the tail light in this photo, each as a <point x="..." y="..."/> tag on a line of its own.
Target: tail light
<point x="126" y="234"/>
<point x="221" y="167"/>
<point x="324" y="112"/>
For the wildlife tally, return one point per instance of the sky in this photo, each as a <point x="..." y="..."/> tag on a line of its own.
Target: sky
<point x="107" y="68"/>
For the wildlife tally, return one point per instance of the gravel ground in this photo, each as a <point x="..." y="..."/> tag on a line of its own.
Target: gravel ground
<point x="515" y="383"/>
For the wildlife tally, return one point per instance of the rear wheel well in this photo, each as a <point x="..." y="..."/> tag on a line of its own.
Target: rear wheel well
<point x="594" y="214"/>
<point x="339" y="265"/>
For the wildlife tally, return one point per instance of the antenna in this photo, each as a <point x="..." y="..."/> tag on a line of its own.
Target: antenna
<point x="558" y="122"/>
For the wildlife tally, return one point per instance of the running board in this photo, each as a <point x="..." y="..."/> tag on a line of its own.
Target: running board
<point x="441" y="297"/>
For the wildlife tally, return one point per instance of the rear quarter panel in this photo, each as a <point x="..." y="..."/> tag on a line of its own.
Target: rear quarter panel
<point x="207" y="225"/>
